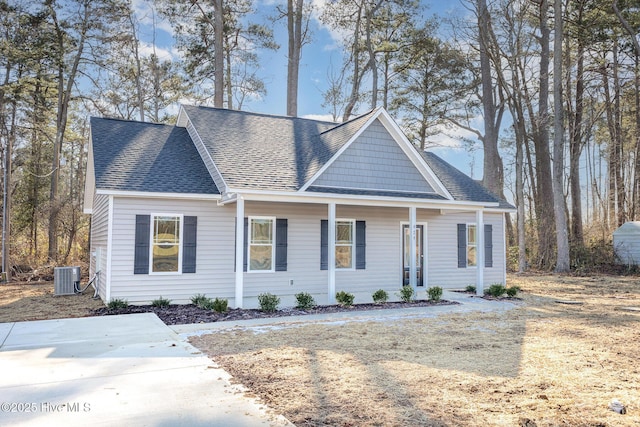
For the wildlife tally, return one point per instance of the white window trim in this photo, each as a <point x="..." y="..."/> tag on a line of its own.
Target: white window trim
<point x="180" y="242"/>
<point x="353" y="243"/>
<point x="466" y="236"/>
<point x="273" y="244"/>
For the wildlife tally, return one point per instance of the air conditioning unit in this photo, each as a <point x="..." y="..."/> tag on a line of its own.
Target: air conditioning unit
<point x="66" y="280"/>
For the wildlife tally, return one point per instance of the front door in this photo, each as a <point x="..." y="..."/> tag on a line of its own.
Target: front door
<point x="406" y="242"/>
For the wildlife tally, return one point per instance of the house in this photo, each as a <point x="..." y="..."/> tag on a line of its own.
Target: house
<point x="626" y="243"/>
<point x="234" y="204"/>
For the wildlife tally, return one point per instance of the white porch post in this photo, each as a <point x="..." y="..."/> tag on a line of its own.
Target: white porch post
<point x="239" y="250"/>
<point x="331" y="256"/>
<point x="412" y="247"/>
<point x="479" y="253"/>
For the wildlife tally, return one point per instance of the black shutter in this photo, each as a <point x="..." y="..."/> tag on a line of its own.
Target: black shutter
<point x="245" y="244"/>
<point x="361" y="245"/>
<point x="324" y="244"/>
<point x="281" y="244"/>
<point x="488" y="245"/>
<point x="190" y="236"/>
<point x="462" y="245"/>
<point x="141" y="253"/>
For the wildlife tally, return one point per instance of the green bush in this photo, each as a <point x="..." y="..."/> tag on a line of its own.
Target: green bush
<point x="305" y="301"/>
<point x="199" y="300"/>
<point x="495" y="290"/>
<point x="406" y="293"/>
<point x="161" y="302"/>
<point x="268" y="302"/>
<point x="117" y="303"/>
<point x="512" y="291"/>
<point x="345" y="299"/>
<point x="435" y="293"/>
<point x="380" y="296"/>
<point x="470" y="288"/>
<point x="220" y="305"/>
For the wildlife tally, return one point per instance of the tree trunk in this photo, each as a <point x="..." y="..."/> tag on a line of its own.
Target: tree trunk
<point x="218" y="59"/>
<point x="544" y="203"/>
<point x="294" y="27"/>
<point x="562" y="238"/>
<point x="355" y="57"/>
<point x="575" y="148"/>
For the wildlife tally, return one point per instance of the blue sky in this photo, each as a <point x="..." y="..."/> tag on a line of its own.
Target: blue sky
<point x="324" y="50"/>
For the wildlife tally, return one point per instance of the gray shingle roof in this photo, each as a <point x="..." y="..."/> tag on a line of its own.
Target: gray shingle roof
<point x="459" y="185"/>
<point x="376" y="193"/>
<point x="136" y="156"/>
<point x="267" y="152"/>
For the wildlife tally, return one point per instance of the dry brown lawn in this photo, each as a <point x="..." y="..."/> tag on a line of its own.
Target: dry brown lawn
<point x="542" y="363"/>
<point x="29" y="301"/>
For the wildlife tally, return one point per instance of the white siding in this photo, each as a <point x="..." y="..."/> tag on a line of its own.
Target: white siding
<point x="442" y="250"/>
<point x="99" y="240"/>
<point x="214" y="260"/>
<point x="216" y="245"/>
<point x="374" y="162"/>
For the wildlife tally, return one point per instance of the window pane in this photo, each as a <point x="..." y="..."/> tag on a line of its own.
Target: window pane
<point x="261" y="231"/>
<point x="471" y="256"/>
<point x="471" y="234"/>
<point x="343" y="257"/>
<point x="344" y="232"/>
<point x="166" y="244"/>
<point x="260" y="257"/>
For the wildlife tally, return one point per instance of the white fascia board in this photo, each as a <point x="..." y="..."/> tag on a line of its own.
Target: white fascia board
<point x="195" y="139"/>
<point x="149" y="195"/>
<point x="392" y="127"/>
<point x="324" y="198"/>
<point x="182" y="119"/>
<point x="89" y="178"/>
<point x="340" y="151"/>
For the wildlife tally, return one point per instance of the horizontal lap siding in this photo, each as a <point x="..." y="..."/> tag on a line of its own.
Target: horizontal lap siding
<point x="99" y="238"/>
<point x="214" y="275"/>
<point x="303" y="254"/>
<point x="442" y="250"/>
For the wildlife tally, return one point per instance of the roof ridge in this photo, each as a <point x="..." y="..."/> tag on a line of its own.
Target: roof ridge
<point x="118" y="119"/>
<point x="259" y="114"/>
<point x="350" y="121"/>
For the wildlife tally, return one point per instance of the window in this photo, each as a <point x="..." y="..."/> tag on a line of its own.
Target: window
<point x="166" y="244"/>
<point x="472" y="244"/>
<point x="261" y="244"/>
<point x="468" y="245"/>
<point x="351" y="244"/>
<point x="344" y="243"/>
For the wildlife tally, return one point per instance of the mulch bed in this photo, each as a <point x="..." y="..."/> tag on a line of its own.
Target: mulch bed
<point x="189" y="313"/>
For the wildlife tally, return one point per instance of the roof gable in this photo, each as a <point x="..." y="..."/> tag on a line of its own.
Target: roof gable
<point x="374" y="161"/>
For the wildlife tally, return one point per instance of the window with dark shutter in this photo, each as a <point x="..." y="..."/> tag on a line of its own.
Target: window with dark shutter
<point x="462" y="245"/>
<point x="141" y="253"/>
<point x="281" y="244"/>
<point x="488" y="245"/>
<point x="190" y="227"/>
<point x="361" y="245"/>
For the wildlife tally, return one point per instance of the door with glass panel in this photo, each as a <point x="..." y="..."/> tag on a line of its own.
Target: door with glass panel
<point x="406" y="255"/>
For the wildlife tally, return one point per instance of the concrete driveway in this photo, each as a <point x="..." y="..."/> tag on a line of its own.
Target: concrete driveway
<point x="115" y="370"/>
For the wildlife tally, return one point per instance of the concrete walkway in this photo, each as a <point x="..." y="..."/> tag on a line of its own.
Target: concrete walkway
<point x="128" y="370"/>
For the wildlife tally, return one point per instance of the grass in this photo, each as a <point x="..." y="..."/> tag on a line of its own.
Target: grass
<point x="554" y="364"/>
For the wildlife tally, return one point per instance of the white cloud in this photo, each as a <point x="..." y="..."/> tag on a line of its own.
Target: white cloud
<point x="320" y="117"/>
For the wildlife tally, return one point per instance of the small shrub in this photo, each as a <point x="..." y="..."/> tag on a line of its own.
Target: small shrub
<point x="435" y="293"/>
<point x="380" y="296"/>
<point x="345" y="299"/>
<point x="220" y="305"/>
<point x="268" y="302"/>
<point x="198" y="299"/>
<point x="406" y="293"/>
<point x="161" y="302"/>
<point x="495" y="290"/>
<point x="118" y="303"/>
<point x="305" y="301"/>
<point x="470" y="288"/>
<point x="512" y="291"/>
